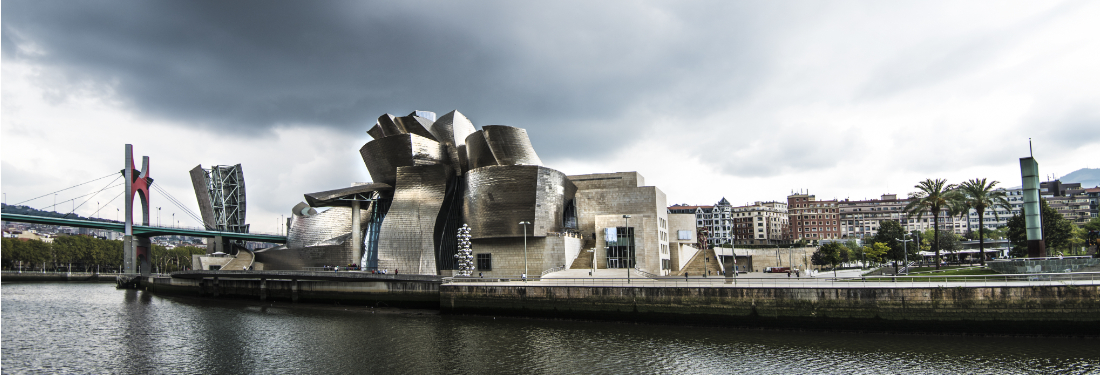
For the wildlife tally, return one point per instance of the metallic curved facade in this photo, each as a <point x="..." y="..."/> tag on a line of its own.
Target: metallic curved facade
<point x="499" y="197"/>
<point x="314" y="241"/>
<point x="390" y="127"/>
<point x="376" y="132"/>
<point x="451" y="130"/>
<point x="430" y="176"/>
<point x="406" y="240"/>
<point x="478" y="153"/>
<point x="416" y="125"/>
<point x="510" y="145"/>
<point x="384" y="156"/>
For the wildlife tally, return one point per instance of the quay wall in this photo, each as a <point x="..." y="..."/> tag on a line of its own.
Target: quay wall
<point x="1072" y="310"/>
<point x="58" y="276"/>
<point x="392" y="293"/>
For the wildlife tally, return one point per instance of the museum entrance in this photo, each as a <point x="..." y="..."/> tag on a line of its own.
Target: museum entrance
<point x="620" y="251"/>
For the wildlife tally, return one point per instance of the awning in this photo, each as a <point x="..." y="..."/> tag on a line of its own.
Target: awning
<point x="344" y="197"/>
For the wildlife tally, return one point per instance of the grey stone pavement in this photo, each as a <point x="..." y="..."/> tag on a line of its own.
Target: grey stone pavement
<point x="843" y="279"/>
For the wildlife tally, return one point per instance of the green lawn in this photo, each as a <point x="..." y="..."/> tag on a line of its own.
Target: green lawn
<point x="926" y="269"/>
<point x="938" y="276"/>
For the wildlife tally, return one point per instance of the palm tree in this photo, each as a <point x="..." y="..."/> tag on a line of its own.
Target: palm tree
<point x="934" y="195"/>
<point x="980" y="195"/>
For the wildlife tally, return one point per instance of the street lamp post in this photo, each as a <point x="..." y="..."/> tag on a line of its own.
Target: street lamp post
<point x="917" y="233"/>
<point x="905" y="248"/>
<point x="525" y="224"/>
<point x="630" y="247"/>
<point x="158" y="216"/>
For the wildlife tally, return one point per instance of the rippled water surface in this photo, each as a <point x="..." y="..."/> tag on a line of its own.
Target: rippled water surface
<point x="94" y="328"/>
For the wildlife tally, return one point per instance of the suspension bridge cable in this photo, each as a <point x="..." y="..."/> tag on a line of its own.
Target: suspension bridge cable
<point x="93" y="195"/>
<point x="70" y="187"/>
<point x="108" y="203"/>
<point x="177" y="203"/>
<point x="75" y="198"/>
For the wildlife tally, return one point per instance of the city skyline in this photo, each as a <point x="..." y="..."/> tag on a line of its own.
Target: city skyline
<point x="845" y="100"/>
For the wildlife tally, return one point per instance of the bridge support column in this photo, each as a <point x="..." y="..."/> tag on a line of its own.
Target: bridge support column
<point x="216" y="289"/>
<point x="356" y="235"/>
<point x="143" y="249"/>
<point x="129" y="258"/>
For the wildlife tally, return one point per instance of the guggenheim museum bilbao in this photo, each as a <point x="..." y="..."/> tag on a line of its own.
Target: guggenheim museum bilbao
<point x="431" y="176"/>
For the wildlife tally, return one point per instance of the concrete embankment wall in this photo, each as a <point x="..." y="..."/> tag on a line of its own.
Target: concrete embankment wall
<point x="56" y="276"/>
<point x="1009" y="310"/>
<point x="394" y="293"/>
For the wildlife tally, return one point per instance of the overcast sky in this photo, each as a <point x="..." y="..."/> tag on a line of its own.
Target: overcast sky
<point x="743" y="100"/>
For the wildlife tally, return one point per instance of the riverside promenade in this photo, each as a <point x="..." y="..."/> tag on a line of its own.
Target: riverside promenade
<point x="842" y="279"/>
<point x="1030" y="304"/>
<point x="1034" y="304"/>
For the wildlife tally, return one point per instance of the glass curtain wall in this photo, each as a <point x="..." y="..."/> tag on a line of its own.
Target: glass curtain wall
<point x="620" y="252"/>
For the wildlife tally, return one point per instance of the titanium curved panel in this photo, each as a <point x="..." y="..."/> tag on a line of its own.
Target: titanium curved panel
<point x="384" y="156"/>
<point x="510" y="145"/>
<point x="416" y="125"/>
<point x="389" y="126"/>
<point x="319" y="240"/>
<point x="478" y="153"/>
<point x="499" y="197"/>
<point x="406" y="240"/>
<point x="376" y="132"/>
<point x="451" y="130"/>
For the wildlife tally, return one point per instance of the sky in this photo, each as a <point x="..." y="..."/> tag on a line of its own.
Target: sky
<point x="748" y="100"/>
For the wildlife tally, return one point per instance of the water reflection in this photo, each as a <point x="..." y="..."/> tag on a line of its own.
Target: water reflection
<point x="81" y="328"/>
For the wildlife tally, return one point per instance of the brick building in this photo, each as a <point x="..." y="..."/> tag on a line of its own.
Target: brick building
<point x="811" y="219"/>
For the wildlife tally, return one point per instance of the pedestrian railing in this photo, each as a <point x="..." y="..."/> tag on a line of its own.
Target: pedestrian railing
<point x="819" y="281"/>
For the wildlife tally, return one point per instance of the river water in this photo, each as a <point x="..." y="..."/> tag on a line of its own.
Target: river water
<point x="94" y="328"/>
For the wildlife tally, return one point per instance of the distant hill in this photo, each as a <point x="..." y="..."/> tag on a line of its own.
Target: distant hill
<point x="25" y="210"/>
<point x="1088" y="177"/>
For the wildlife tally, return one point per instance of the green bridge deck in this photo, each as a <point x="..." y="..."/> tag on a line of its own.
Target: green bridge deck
<point x="141" y="230"/>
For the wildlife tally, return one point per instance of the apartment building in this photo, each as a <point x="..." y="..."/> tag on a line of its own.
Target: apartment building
<point x="1070" y="199"/>
<point x="717" y="219"/>
<point x="862" y="218"/>
<point x="811" y="219"/>
<point x="761" y="223"/>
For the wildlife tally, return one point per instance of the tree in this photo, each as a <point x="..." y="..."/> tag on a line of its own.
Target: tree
<point x="948" y="241"/>
<point x="890" y="233"/>
<point x="1091" y="232"/>
<point x="996" y="234"/>
<point x="855" y="252"/>
<point x="830" y="254"/>
<point x="1057" y="231"/>
<point x="935" y="196"/>
<point x="876" y="252"/>
<point x="980" y="195"/>
<point x="1017" y="235"/>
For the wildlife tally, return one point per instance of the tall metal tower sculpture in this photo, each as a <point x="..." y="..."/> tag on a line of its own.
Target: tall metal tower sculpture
<point x="136" y="250"/>
<point x="220" y="192"/>
<point x="1033" y="221"/>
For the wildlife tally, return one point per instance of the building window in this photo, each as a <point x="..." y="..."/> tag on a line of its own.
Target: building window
<point x="684" y="235"/>
<point x="485" y="262"/>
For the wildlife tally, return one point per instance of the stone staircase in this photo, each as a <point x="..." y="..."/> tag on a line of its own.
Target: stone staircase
<point x="240" y="263"/>
<point x="698" y="264"/>
<point x="584" y="260"/>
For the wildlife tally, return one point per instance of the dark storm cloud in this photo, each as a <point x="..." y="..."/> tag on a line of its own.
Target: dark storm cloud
<point x="565" y="71"/>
